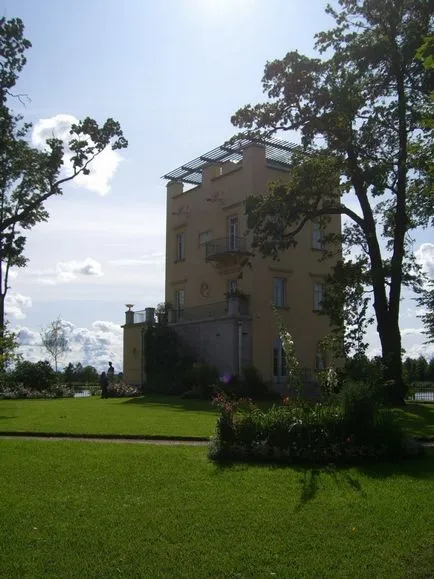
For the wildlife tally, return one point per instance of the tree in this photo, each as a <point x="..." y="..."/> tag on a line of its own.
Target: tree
<point x="360" y="113"/>
<point x="55" y="341"/>
<point x="29" y="176"/>
<point x="35" y="376"/>
<point x="8" y="349"/>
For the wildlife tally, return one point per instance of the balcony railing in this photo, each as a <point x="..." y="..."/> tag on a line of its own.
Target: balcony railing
<point x="225" y="246"/>
<point x="231" y="307"/>
<point x="139" y="316"/>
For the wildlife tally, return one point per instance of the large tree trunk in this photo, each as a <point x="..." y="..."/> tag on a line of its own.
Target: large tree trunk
<point x="394" y="385"/>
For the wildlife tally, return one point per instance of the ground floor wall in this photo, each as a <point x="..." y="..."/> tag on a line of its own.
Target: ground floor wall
<point x="225" y="343"/>
<point x="133" y="353"/>
<point x="232" y="343"/>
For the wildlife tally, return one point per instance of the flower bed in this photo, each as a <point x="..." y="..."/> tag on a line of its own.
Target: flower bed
<point x="300" y="432"/>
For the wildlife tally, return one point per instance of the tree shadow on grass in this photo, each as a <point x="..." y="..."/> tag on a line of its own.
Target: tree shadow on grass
<point x="417" y="419"/>
<point x="347" y="476"/>
<point x="175" y="402"/>
<point x="343" y="476"/>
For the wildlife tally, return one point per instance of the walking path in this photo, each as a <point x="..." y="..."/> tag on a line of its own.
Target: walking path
<point x="132" y="440"/>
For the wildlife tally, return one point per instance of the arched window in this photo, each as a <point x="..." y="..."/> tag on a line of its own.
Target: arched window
<point x="279" y="362"/>
<point x="320" y="362"/>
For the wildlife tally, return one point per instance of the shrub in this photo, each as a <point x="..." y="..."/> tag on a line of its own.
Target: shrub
<point x="298" y="431"/>
<point x="254" y="385"/>
<point x="166" y="359"/>
<point x="16" y="391"/>
<point x="200" y="377"/>
<point x="122" y="390"/>
<point x="359" y="405"/>
<point x="38" y="376"/>
<point x="192" y="395"/>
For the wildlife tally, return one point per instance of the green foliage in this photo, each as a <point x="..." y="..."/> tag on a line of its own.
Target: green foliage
<point x="361" y="112"/>
<point x="8" y="348"/>
<point x="359" y="405"/>
<point x="254" y="385"/>
<point x="166" y="359"/>
<point x="34" y="375"/>
<point x="426" y="52"/>
<point x="75" y="374"/>
<point x="360" y="368"/>
<point x="354" y="429"/>
<point x="201" y="379"/>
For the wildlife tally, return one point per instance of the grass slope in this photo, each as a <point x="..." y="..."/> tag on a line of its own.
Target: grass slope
<point x="148" y="416"/>
<point x="417" y="419"/>
<point x="156" y="416"/>
<point x="74" y="509"/>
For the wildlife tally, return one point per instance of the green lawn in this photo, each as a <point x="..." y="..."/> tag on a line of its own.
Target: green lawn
<point x="417" y="419"/>
<point x="82" y="509"/>
<point x="148" y="416"/>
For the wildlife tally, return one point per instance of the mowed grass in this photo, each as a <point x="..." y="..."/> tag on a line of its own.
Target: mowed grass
<point x="148" y="416"/>
<point x="417" y="419"/>
<point x="82" y="509"/>
<point x="144" y="416"/>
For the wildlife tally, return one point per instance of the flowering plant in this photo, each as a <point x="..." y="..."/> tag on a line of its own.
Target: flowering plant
<point x="292" y="363"/>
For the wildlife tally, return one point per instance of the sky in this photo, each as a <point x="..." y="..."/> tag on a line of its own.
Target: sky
<point x="172" y="73"/>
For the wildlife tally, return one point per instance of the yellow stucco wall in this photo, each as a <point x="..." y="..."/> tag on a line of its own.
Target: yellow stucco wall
<point x="208" y="207"/>
<point x="133" y="364"/>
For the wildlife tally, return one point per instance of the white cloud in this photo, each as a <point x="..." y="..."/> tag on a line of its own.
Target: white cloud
<point x="156" y="258"/>
<point x="15" y="304"/>
<point x="67" y="271"/>
<point x="107" y="327"/>
<point x="93" y="346"/>
<point x="416" y="350"/>
<point x="425" y="256"/>
<point x="88" y="267"/>
<point x="102" y="169"/>
<point x="27" y="337"/>
<point x="411" y="332"/>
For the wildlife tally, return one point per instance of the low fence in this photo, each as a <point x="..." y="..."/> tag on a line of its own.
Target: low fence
<point x="421" y="392"/>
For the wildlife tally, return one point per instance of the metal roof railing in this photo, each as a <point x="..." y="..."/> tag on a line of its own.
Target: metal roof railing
<point x="277" y="151"/>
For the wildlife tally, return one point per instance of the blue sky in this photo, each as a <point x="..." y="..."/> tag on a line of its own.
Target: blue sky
<point x="172" y="72"/>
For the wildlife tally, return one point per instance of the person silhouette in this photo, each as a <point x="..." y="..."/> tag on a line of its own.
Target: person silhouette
<point x="103" y="381"/>
<point x="111" y="373"/>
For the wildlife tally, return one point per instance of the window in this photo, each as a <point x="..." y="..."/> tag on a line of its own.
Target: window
<point x="317" y="235"/>
<point x="233" y="233"/>
<point x="319" y="359"/>
<point x="179" y="303"/>
<point x="205" y="237"/>
<point x="180" y="246"/>
<point x="279" y="362"/>
<point x="279" y="291"/>
<point x="232" y="286"/>
<point x="318" y="296"/>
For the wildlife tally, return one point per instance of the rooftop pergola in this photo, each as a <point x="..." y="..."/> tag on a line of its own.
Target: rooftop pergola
<point x="277" y="152"/>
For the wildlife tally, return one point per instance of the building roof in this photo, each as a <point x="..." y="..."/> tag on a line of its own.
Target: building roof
<point x="277" y="152"/>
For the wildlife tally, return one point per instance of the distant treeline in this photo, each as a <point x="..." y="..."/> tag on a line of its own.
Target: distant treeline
<point x="414" y="369"/>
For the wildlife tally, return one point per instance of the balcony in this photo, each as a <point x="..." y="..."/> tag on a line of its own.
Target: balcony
<point x="226" y="249"/>
<point x="232" y="307"/>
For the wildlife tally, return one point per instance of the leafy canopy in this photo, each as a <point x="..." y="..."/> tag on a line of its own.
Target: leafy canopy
<point x="361" y="113"/>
